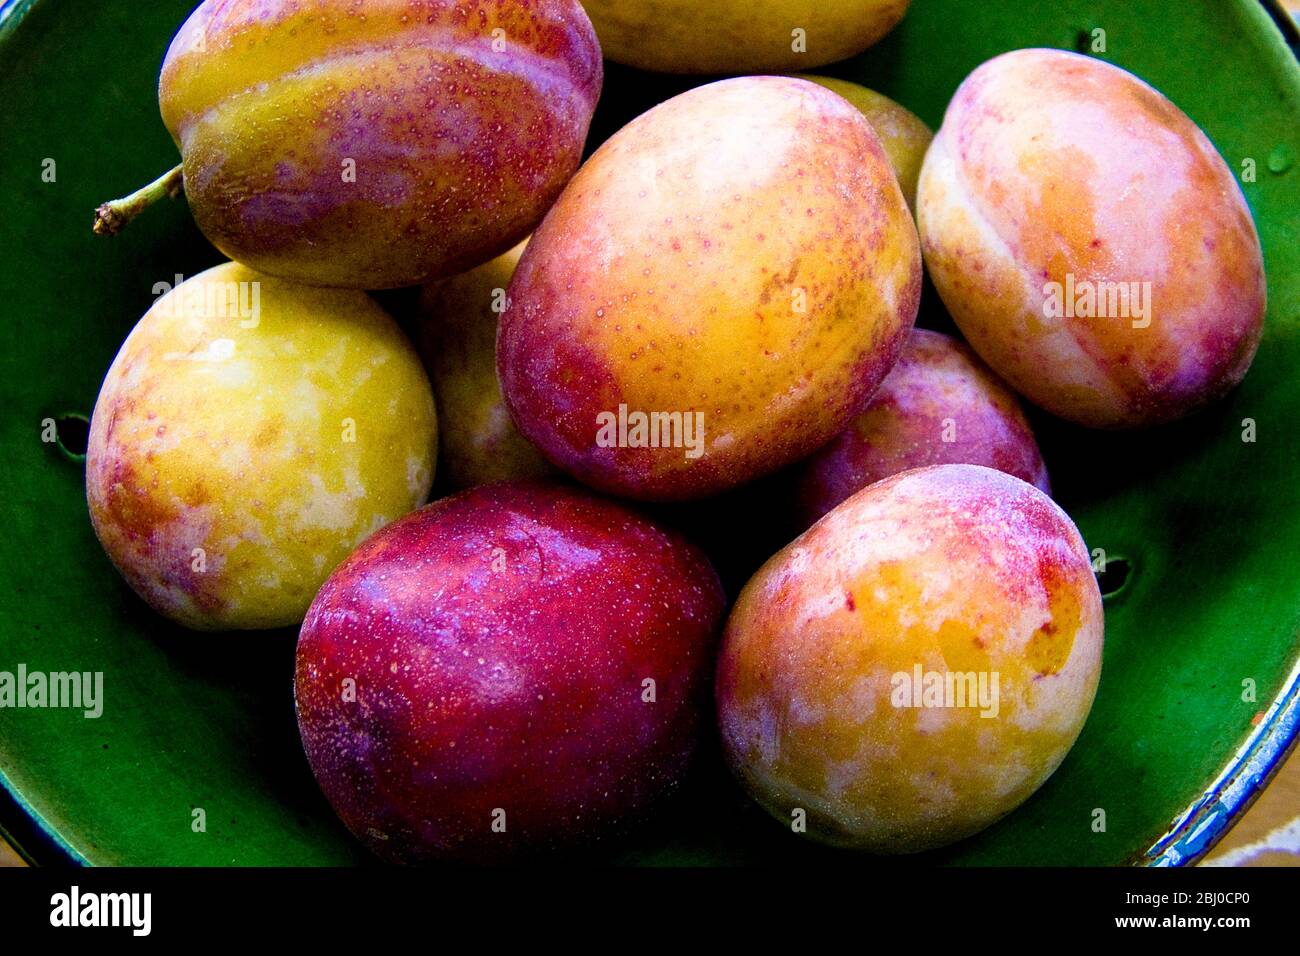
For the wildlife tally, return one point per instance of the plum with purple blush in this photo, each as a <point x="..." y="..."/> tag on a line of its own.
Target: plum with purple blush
<point x="940" y="405"/>
<point x="519" y="667"/>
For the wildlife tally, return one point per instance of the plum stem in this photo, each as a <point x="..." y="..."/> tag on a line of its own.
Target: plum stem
<point x="112" y="217"/>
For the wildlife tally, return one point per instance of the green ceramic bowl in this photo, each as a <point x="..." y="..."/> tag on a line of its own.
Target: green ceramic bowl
<point x="1202" y="528"/>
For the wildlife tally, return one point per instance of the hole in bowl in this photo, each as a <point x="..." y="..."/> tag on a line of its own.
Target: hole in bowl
<point x="72" y="434"/>
<point x="1113" y="576"/>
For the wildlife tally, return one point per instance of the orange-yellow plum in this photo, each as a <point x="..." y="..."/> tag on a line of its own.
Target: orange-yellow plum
<point x="916" y="664"/>
<point x="249" y="434"/>
<point x="478" y="443"/>
<point x="379" y="144"/>
<point x="716" y="294"/>
<point x="739" y="36"/>
<point x="939" y="405"/>
<point x="1089" y="241"/>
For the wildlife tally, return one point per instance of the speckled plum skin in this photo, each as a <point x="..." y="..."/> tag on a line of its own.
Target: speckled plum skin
<point x="500" y="641"/>
<point x="1055" y="168"/>
<point x="234" y="460"/>
<point x="952" y="568"/>
<point x="379" y="144"/>
<point x="903" y="134"/>
<point x="739" y="36"/>
<point x="939" y="389"/>
<point x="689" y="269"/>
<point x="457" y="338"/>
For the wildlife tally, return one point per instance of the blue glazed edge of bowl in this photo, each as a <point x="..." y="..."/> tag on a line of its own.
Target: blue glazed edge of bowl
<point x="1206" y="821"/>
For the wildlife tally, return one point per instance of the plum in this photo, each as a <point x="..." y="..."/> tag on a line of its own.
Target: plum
<point x="739" y="36"/>
<point x="373" y="145"/>
<point x="716" y="293"/>
<point x="1089" y="242"/>
<point x="939" y="405"/>
<point x="248" y="435"/>
<point x="903" y="134"/>
<point x="915" y="665"/>
<point x="457" y="339"/>
<point x="519" y="667"/>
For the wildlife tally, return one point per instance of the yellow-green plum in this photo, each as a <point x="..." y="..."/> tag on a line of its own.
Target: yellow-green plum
<point x="939" y="405"/>
<point x="249" y="434"/>
<point x="903" y="134"/>
<point x="378" y="144"/>
<point x="1089" y="241"/>
<point x="478" y="443"/>
<point x="716" y="294"/>
<point x="739" y="36"/>
<point x="916" y="664"/>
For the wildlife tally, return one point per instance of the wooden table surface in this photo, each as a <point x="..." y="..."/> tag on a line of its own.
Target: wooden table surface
<point x="1269" y="833"/>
